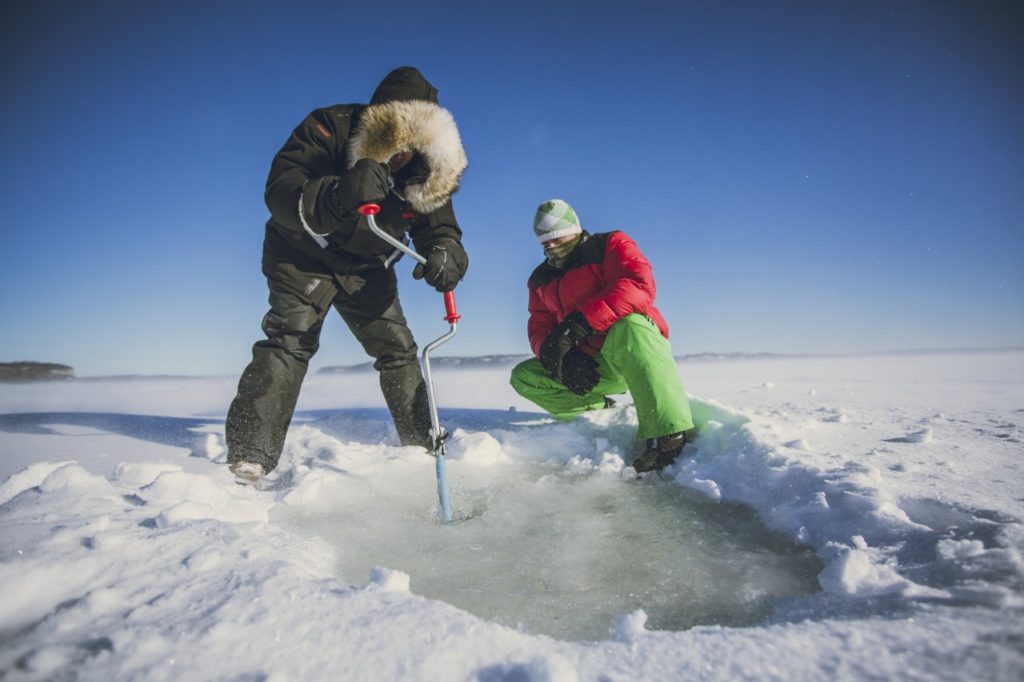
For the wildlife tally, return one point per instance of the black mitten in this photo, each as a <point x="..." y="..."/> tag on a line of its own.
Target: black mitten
<point x="579" y="372"/>
<point x="570" y="331"/>
<point x="367" y="181"/>
<point x="446" y="265"/>
<point x="553" y="349"/>
<point x="576" y="326"/>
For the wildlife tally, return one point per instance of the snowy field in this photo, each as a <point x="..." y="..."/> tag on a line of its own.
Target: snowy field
<point x="840" y="518"/>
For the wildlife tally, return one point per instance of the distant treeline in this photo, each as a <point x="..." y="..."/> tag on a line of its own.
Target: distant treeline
<point x="34" y="371"/>
<point x="448" y="362"/>
<point x="487" y="361"/>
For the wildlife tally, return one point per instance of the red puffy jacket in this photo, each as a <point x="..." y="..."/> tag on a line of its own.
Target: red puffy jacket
<point x="606" y="278"/>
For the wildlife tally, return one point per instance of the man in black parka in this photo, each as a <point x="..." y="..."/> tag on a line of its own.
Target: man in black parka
<point x="401" y="151"/>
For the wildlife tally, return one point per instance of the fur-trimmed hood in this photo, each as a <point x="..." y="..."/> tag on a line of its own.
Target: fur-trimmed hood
<point x="420" y="126"/>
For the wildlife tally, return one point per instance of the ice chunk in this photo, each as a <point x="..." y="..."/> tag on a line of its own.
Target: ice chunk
<point x="631" y="626"/>
<point x="388" y="579"/>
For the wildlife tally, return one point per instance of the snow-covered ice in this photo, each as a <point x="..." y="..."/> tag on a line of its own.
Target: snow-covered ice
<point x="861" y="519"/>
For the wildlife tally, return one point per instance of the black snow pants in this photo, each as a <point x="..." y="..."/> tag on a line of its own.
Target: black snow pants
<point x="302" y="292"/>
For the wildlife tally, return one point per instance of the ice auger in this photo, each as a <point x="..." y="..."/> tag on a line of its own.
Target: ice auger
<point x="437" y="433"/>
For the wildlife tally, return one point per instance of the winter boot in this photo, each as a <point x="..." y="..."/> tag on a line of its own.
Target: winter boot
<point x="660" y="452"/>
<point x="247" y="473"/>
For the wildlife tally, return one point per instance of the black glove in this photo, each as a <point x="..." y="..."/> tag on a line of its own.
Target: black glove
<point x="447" y="263"/>
<point x="367" y="181"/>
<point x="576" y="326"/>
<point x="569" y="332"/>
<point x="552" y="349"/>
<point x="579" y="372"/>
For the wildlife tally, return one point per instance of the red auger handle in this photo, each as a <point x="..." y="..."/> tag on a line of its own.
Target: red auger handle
<point x="451" y="314"/>
<point x="449" y="307"/>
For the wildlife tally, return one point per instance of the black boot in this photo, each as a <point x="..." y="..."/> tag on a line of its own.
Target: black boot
<point x="660" y="452"/>
<point x="405" y="393"/>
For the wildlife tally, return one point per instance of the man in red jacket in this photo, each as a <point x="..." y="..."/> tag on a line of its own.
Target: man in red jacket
<point x="595" y="332"/>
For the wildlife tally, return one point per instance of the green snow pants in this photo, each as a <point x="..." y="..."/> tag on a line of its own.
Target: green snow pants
<point x="635" y="357"/>
<point x="302" y="293"/>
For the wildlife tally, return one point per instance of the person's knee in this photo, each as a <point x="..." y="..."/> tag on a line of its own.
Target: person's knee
<point x="296" y="331"/>
<point x="524" y="376"/>
<point x="388" y="342"/>
<point x="393" y="361"/>
<point x="516" y="379"/>
<point x="391" y="346"/>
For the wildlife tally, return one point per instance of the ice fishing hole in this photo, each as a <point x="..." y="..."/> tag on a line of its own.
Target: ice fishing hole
<point x="550" y="552"/>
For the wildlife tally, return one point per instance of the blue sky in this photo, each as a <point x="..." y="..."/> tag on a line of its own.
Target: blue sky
<point x="804" y="176"/>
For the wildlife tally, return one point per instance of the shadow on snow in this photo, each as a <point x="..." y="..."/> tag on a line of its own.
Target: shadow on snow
<point x="183" y="432"/>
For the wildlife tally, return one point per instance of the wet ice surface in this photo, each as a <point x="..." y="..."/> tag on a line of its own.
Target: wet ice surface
<point x="546" y="551"/>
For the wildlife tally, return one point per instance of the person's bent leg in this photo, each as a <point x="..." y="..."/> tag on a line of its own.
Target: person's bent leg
<point x="374" y="315"/>
<point x="262" y="410"/>
<point x="532" y="381"/>
<point x="635" y="349"/>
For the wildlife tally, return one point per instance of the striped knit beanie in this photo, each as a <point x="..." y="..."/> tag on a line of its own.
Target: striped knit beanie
<point x="554" y="219"/>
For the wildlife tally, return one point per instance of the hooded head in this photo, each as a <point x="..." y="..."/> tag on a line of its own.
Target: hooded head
<point x="402" y="85"/>
<point x="403" y="115"/>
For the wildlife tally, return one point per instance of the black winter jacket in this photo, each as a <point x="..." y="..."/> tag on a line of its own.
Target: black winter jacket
<point x="328" y="142"/>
